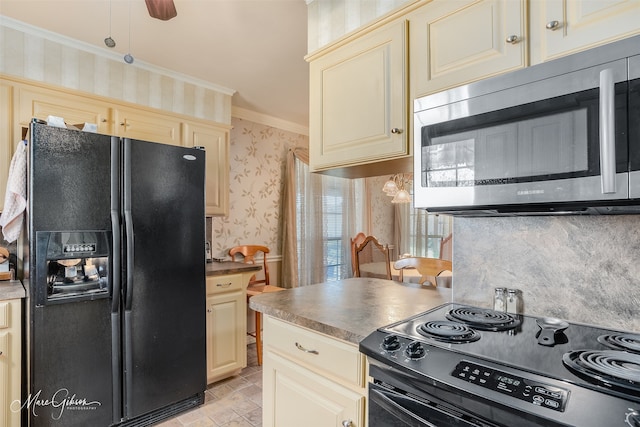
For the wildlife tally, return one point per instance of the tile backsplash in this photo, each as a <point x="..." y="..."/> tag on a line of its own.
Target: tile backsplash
<point x="580" y="268"/>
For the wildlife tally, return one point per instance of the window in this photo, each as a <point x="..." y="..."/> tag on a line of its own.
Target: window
<point x="421" y="232"/>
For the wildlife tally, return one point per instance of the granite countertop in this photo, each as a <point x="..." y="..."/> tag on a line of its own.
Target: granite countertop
<point x="11" y="289"/>
<point x="229" y="267"/>
<point x="350" y="309"/>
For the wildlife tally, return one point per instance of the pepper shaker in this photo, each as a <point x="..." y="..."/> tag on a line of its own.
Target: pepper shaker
<point x="513" y="301"/>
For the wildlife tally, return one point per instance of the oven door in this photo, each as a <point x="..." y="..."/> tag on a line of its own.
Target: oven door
<point x="551" y="140"/>
<point x="398" y="398"/>
<point x="389" y="408"/>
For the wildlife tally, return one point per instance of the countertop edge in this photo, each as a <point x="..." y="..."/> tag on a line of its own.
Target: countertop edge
<point x="11" y="289"/>
<point x="229" y="267"/>
<point x="350" y="309"/>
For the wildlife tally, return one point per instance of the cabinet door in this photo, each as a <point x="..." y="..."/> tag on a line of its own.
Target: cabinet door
<point x="138" y="123"/>
<point x="10" y="360"/>
<point x="6" y="140"/>
<point x="561" y="27"/>
<point x="456" y="42"/>
<point x="215" y="141"/>
<point x="295" y="396"/>
<point x="41" y="103"/>
<point x="358" y="107"/>
<point x="226" y="330"/>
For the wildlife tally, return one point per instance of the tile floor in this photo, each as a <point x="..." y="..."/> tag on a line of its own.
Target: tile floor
<point x="233" y="402"/>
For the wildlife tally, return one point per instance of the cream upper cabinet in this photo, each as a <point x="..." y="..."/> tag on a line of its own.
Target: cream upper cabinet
<point x="6" y="138"/>
<point x="305" y="373"/>
<point x="358" y="100"/>
<point x="10" y="361"/>
<point x="41" y="103"/>
<point x="215" y="140"/>
<point x="145" y="125"/>
<point x="561" y="27"/>
<point x="455" y="42"/>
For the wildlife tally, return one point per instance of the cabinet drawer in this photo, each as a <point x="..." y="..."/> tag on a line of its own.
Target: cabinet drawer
<point x="218" y="284"/>
<point x="5" y="315"/>
<point x="336" y="358"/>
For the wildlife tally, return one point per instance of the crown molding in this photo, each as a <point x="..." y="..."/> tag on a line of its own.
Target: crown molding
<point x="264" y="119"/>
<point x="14" y="24"/>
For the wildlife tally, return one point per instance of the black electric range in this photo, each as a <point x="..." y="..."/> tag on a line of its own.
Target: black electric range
<point x="459" y="365"/>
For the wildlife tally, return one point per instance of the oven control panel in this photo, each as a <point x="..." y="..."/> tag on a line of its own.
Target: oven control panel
<point x="533" y="392"/>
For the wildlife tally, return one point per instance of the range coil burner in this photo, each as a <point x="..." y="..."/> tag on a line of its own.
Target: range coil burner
<point x="448" y="331"/>
<point x="618" y="369"/>
<point x="484" y="319"/>
<point x="626" y="342"/>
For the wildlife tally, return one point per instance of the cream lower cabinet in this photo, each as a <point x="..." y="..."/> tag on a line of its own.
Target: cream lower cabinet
<point x="226" y="325"/>
<point x="561" y="27"/>
<point x="215" y="140"/>
<point x="10" y="361"/>
<point x="310" y="379"/>
<point x="358" y="107"/>
<point x="455" y="42"/>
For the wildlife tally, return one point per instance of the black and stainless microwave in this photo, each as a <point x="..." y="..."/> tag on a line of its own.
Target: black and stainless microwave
<point x="558" y="137"/>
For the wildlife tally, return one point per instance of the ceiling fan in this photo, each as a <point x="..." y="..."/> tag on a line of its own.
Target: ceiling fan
<point x="161" y="9"/>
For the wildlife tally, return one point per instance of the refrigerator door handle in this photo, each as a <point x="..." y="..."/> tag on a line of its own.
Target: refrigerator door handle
<point x="116" y="280"/>
<point x="128" y="222"/>
<point x="115" y="225"/>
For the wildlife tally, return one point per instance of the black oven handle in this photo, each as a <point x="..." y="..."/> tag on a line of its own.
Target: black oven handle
<point x="607" y="132"/>
<point x="413" y="412"/>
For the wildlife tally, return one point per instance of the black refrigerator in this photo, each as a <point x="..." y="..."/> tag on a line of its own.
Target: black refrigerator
<point x="116" y="311"/>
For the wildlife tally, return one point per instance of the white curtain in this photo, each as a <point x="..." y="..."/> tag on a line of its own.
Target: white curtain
<point x="329" y="212"/>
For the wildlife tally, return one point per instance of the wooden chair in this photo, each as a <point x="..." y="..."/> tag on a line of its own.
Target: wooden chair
<point x="446" y="247"/>
<point x="256" y="286"/>
<point x="372" y="259"/>
<point x="355" y="241"/>
<point x="427" y="267"/>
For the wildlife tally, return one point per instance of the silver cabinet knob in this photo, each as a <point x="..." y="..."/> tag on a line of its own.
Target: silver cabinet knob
<point x="512" y="39"/>
<point x="347" y="423"/>
<point x="396" y="131"/>
<point x="553" y="25"/>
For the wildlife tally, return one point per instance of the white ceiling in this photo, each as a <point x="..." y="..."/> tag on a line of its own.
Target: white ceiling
<point x="255" y="47"/>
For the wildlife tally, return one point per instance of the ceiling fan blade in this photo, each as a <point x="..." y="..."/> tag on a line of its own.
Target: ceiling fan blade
<point x="161" y="9"/>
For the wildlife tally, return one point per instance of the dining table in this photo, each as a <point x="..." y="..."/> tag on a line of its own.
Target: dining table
<point x="378" y="269"/>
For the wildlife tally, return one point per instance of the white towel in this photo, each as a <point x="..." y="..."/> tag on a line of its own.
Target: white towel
<point x="15" y="199"/>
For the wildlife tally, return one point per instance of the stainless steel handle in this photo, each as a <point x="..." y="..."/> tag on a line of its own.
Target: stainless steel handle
<point x="396" y="131"/>
<point x="553" y="25"/>
<point x="223" y="285"/>
<point x="301" y="348"/>
<point x="347" y="423"/>
<point x="607" y="132"/>
<point x="512" y="39"/>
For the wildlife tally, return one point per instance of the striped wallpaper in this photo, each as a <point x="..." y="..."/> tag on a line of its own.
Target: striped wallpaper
<point x="36" y="54"/>
<point x="328" y="20"/>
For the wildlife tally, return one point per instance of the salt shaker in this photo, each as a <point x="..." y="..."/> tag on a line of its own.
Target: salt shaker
<point x="499" y="300"/>
<point x="513" y="301"/>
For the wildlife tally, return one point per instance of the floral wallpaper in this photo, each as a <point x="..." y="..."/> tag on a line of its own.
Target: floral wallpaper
<point x="257" y="162"/>
<point x="381" y="212"/>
